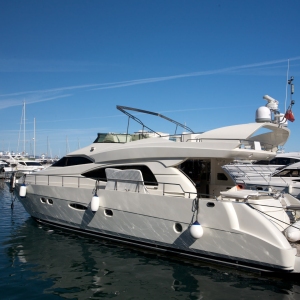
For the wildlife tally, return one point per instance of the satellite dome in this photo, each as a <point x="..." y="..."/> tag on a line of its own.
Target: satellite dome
<point x="263" y="114"/>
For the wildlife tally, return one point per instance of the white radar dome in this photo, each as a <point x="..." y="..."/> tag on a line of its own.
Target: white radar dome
<point x="263" y="114"/>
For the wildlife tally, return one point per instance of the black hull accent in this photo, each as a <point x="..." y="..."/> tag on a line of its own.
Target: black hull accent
<point x="233" y="263"/>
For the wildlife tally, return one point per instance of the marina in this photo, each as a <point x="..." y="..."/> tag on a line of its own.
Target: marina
<point x="149" y="150"/>
<point x="169" y="193"/>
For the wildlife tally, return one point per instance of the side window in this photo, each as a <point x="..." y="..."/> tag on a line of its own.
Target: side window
<point x="72" y="161"/>
<point x="98" y="174"/>
<point x="283" y="173"/>
<point x="294" y="173"/>
<point x="293" y="160"/>
<point x="283" y="161"/>
<point x="273" y="161"/>
<point x="264" y="162"/>
<point x="60" y="163"/>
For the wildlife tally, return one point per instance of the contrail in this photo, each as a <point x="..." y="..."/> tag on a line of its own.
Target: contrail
<point x="110" y="85"/>
<point x="17" y="102"/>
<point x="194" y="74"/>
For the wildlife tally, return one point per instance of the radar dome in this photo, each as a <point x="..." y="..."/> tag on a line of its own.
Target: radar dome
<point x="263" y="114"/>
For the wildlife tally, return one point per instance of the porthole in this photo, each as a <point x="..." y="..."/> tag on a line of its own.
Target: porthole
<point x="177" y="227"/>
<point x="210" y="204"/>
<point x="108" y="212"/>
<point x="43" y="200"/>
<point x="259" y="188"/>
<point x="77" y="206"/>
<point x="50" y="201"/>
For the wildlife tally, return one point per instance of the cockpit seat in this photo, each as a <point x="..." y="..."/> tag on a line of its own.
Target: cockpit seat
<point x="130" y="180"/>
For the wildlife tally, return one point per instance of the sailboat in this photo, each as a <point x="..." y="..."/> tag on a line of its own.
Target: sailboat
<point x="20" y="162"/>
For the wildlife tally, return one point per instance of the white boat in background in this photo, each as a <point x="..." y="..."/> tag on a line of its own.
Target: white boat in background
<point x="261" y="168"/>
<point x="286" y="180"/>
<point x="28" y="166"/>
<point x="169" y="193"/>
<point x="18" y="163"/>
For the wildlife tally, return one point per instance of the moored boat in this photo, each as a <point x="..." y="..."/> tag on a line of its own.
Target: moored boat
<point x="170" y="193"/>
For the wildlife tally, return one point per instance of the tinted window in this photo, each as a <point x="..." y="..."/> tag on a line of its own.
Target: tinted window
<point x="280" y="161"/>
<point x="262" y="162"/>
<point x="72" y="161"/>
<point x="287" y="173"/>
<point x="99" y="174"/>
<point x="283" y="161"/>
<point x="33" y="163"/>
<point x="294" y="160"/>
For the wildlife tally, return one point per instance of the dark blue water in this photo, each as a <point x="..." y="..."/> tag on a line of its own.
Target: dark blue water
<point x="39" y="262"/>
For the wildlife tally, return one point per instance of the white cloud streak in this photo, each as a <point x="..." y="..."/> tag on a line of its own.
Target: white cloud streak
<point x="17" y="102"/>
<point x="195" y="74"/>
<point x="51" y="94"/>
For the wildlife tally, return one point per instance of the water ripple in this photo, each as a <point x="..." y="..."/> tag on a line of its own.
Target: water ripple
<point x="38" y="261"/>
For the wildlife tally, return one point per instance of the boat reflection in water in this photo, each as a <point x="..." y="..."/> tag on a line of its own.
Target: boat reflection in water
<point x="73" y="267"/>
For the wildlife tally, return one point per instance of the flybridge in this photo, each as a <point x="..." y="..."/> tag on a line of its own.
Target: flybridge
<point x="146" y="132"/>
<point x="245" y="136"/>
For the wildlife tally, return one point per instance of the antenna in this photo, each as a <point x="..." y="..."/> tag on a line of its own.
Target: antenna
<point x="286" y="88"/>
<point x="24" y="130"/>
<point x="34" y="138"/>
<point x="292" y="85"/>
<point x="290" y="82"/>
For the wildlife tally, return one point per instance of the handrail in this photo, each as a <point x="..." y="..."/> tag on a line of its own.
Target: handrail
<point x="180" y="136"/>
<point x="241" y="141"/>
<point x="79" y="178"/>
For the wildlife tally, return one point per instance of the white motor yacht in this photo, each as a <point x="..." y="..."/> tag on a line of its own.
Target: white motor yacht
<point x="286" y="180"/>
<point x="169" y="193"/>
<point x="18" y="163"/>
<point x="29" y="166"/>
<point x="261" y="168"/>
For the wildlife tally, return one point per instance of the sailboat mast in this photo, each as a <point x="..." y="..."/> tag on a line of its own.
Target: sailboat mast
<point x="34" y="138"/>
<point x="24" y="128"/>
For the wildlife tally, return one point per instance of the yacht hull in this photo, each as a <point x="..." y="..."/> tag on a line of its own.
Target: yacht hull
<point x="162" y="223"/>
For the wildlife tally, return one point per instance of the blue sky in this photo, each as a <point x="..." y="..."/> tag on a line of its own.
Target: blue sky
<point x="203" y="63"/>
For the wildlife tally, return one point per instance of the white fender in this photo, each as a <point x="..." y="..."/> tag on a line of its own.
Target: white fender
<point x="95" y="203"/>
<point x="22" y="191"/>
<point x="196" y="230"/>
<point x="290" y="189"/>
<point x="292" y="233"/>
